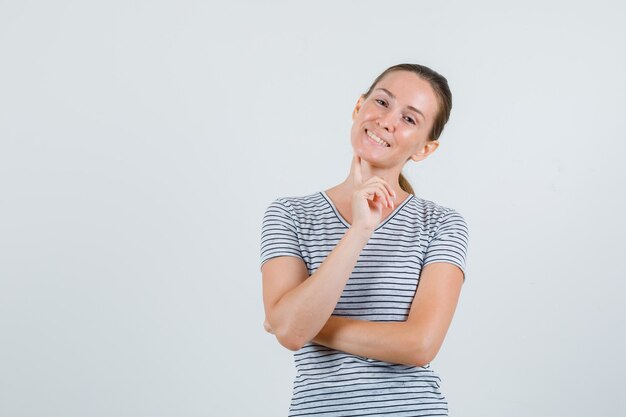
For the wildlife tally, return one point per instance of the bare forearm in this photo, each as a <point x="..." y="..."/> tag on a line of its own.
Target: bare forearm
<point x="386" y="341"/>
<point x="415" y="341"/>
<point x="302" y="312"/>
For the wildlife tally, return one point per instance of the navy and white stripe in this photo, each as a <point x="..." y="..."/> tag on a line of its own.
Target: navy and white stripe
<point x="381" y="288"/>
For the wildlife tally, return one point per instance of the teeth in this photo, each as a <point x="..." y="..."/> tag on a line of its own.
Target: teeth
<point x="377" y="139"/>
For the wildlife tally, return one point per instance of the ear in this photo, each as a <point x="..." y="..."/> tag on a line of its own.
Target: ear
<point x="428" y="148"/>
<point x="357" y="107"/>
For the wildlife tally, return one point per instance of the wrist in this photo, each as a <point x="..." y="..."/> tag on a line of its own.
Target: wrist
<point x="360" y="233"/>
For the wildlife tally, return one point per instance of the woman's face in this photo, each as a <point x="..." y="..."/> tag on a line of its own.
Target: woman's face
<point x="400" y="111"/>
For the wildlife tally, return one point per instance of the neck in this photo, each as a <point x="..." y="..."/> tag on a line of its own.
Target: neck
<point x="390" y="175"/>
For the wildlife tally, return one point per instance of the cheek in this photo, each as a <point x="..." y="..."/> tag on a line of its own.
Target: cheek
<point x="356" y="135"/>
<point x="356" y="128"/>
<point x="412" y="138"/>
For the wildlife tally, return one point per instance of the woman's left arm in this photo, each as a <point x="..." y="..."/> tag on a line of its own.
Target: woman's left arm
<point x="415" y="341"/>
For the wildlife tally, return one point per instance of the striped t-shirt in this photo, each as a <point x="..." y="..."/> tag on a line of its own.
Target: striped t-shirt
<point x="381" y="287"/>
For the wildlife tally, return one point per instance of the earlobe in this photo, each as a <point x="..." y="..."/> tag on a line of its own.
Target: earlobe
<point x="418" y="156"/>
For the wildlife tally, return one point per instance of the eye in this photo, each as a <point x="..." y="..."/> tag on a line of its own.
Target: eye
<point x="409" y="119"/>
<point x="381" y="102"/>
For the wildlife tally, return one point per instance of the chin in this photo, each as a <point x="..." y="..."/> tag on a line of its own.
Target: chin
<point x="367" y="153"/>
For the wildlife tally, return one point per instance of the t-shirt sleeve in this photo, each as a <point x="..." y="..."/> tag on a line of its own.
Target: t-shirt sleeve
<point x="279" y="234"/>
<point x="450" y="241"/>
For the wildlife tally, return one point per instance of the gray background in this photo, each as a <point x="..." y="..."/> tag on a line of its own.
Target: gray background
<point x="140" y="143"/>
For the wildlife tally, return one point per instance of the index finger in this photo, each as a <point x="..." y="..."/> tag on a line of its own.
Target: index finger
<point x="356" y="169"/>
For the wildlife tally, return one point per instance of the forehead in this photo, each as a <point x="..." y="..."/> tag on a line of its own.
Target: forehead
<point x="410" y="90"/>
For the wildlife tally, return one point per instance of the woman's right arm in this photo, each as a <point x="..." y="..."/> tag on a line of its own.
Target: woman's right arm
<point x="298" y="305"/>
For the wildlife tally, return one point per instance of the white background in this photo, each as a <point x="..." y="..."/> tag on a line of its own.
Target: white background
<point x="140" y="143"/>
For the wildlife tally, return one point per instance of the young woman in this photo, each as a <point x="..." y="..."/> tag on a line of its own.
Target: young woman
<point x="361" y="280"/>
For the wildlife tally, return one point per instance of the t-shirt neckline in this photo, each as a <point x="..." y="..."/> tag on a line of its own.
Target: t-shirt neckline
<point x="384" y="221"/>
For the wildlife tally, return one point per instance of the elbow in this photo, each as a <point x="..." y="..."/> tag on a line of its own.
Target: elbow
<point x="288" y="338"/>
<point x="289" y="341"/>
<point x="422" y="353"/>
<point x="284" y="331"/>
<point x="292" y="345"/>
<point x="421" y="359"/>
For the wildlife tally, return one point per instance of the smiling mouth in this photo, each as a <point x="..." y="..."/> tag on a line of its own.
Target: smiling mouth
<point x="376" y="139"/>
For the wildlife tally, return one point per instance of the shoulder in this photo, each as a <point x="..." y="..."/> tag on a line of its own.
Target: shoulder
<point x="433" y="214"/>
<point x="298" y="207"/>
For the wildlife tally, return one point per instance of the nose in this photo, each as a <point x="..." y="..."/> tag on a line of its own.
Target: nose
<point x="387" y="121"/>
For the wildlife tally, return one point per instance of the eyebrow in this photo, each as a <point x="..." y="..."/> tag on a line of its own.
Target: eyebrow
<point x="394" y="97"/>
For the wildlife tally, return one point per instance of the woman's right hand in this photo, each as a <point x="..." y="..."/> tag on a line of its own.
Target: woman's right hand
<point x="369" y="198"/>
